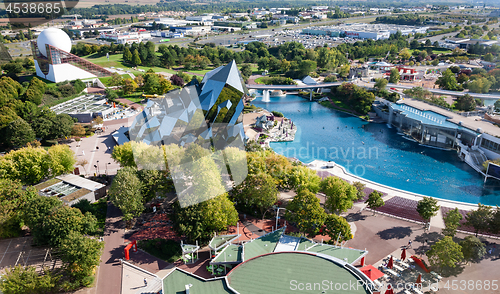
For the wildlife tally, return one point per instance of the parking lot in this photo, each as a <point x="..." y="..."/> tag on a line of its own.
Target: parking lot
<point x="19" y="251"/>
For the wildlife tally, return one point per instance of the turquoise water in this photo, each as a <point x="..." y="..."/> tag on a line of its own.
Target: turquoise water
<point x="377" y="153"/>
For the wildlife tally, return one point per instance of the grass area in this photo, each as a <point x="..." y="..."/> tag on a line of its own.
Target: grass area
<point x="106" y="80"/>
<point x="260" y="80"/>
<point x="434" y="50"/>
<point x="51" y="102"/>
<point x="134" y="97"/>
<point x="167" y="250"/>
<point x="30" y="77"/>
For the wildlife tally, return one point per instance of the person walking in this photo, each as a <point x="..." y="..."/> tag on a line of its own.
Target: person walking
<point x="83" y="152"/>
<point x="145" y="282"/>
<point x="409" y="244"/>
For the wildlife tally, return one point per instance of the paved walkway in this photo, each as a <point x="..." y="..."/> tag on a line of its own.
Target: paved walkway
<point x="109" y="277"/>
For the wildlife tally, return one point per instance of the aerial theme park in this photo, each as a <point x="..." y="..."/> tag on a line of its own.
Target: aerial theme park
<point x="249" y="147"/>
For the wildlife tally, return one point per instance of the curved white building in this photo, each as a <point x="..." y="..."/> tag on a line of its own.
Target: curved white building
<point x="54" y="62"/>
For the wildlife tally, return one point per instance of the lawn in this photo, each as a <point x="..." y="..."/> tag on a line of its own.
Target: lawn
<point x="434" y="50"/>
<point x="106" y="80"/>
<point x="134" y="97"/>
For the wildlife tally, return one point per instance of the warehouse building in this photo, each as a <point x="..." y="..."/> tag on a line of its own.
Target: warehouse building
<point x="363" y="30"/>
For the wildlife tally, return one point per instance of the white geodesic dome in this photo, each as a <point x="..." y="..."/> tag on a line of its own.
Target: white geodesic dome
<point x="55" y="37"/>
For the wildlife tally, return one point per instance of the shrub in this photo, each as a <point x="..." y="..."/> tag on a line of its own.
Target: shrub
<point x="277" y="113"/>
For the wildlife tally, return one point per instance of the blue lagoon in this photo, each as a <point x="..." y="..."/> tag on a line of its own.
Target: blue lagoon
<point x="377" y="153"/>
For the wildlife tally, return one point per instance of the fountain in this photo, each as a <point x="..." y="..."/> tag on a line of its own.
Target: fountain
<point x="265" y="96"/>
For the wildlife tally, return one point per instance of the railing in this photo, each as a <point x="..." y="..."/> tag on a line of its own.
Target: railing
<point x="79" y="62"/>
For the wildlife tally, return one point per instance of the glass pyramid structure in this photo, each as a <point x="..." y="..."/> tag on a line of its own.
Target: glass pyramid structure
<point x="208" y="112"/>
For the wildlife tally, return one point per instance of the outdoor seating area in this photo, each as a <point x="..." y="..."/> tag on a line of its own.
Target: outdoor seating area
<point x="415" y="279"/>
<point x="402" y="207"/>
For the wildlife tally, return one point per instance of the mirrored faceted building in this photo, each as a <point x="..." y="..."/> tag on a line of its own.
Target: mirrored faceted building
<point x="208" y="113"/>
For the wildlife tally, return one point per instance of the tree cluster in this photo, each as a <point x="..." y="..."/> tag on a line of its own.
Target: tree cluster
<point x="358" y="98"/>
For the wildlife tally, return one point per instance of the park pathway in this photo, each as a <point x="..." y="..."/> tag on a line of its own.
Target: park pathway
<point x="110" y="270"/>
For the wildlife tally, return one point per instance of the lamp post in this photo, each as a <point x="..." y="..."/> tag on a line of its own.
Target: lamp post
<point x="107" y="167"/>
<point x="98" y="167"/>
<point x="95" y="169"/>
<point x="277" y="215"/>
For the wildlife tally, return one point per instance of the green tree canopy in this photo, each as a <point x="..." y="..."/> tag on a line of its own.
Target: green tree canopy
<point x="395" y="76"/>
<point x="427" y="208"/>
<point x="375" y="200"/>
<point x="62" y="159"/>
<point x="479" y="219"/>
<point x="381" y="83"/>
<point x="445" y="253"/>
<point x="26" y="280"/>
<point x="81" y="255"/>
<point x="125" y="193"/>
<point x="340" y="195"/>
<point x="18" y="133"/>
<point x="258" y="191"/>
<point x="336" y="226"/>
<point x="448" y="81"/>
<point x="472" y="248"/>
<point x="200" y="221"/>
<point x="303" y="176"/>
<point x="465" y="103"/>
<point x="305" y="210"/>
<point x="452" y="222"/>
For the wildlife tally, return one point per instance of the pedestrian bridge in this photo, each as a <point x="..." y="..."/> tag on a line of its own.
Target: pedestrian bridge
<point x="368" y="85"/>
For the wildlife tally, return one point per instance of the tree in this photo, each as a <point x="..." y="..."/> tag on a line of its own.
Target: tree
<point x="125" y="193"/>
<point x="12" y="203"/>
<point x="339" y="194"/>
<point x="337" y="226"/>
<point x="488" y="57"/>
<point x="448" y="81"/>
<point x="285" y="65"/>
<point x="462" y="78"/>
<point x="428" y="43"/>
<point x="115" y="80"/>
<point x="259" y="191"/>
<point x="445" y="253"/>
<point x="302" y="176"/>
<point x="452" y="222"/>
<point x="81" y="255"/>
<point x="427" y="208"/>
<point x="479" y="219"/>
<point x="34" y="92"/>
<point x="479" y="85"/>
<point x="465" y="103"/>
<point x="201" y="220"/>
<point x="344" y="70"/>
<point x="497" y="105"/>
<point x="375" y="200"/>
<point x="152" y="84"/>
<point x="136" y="59"/>
<point x="176" y="80"/>
<point x="18" y="133"/>
<point x="62" y="125"/>
<point x="472" y="248"/>
<point x="124" y="155"/>
<point x="395" y="76"/>
<point x="263" y="63"/>
<point x="165" y="86"/>
<point x="78" y="131"/>
<point x="128" y="86"/>
<point x="405" y="54"/>
<point x="26" y="280"/>
<point x="246" y="70"/>
<point x="29" y="165"/>
<point x="127" y="55"/>
<point x="306" y="212"/>
<point x="380" y="83"/>
<point x="61" y="159"/>
<point x="13" y="68"/>
<point x="495" y="221"/>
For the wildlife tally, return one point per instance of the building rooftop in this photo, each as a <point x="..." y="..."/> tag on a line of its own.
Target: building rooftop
<point x="468" y="122"/>
<point x="219" y="241"/>
<point x="230" y="254"/>
<point x="262" y="245"/>
<point x="348" y="255"/>
<point x="275" y="273"/>
<point x="177" y="280"/>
